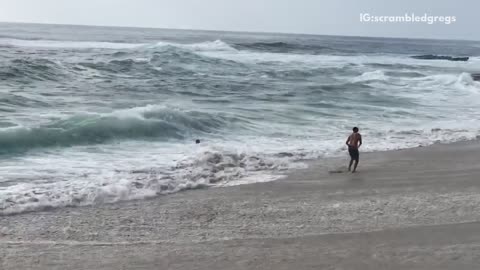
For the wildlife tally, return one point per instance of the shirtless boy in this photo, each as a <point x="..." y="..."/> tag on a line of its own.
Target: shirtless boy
<point x="354" y="142"/>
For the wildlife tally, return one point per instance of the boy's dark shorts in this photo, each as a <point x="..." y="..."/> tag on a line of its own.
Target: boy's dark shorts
<point x="354" y="153"/>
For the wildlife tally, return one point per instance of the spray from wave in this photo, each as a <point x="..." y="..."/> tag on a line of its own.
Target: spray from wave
<point x="377" y="75"/>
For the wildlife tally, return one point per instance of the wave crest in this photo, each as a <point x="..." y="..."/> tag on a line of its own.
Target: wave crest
<point x="377" y="75"/>
<point x="59" y="44"/>
<point x="150" y="122"/>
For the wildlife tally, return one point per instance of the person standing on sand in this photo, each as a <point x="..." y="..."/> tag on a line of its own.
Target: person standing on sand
<point x="354" y="142"/>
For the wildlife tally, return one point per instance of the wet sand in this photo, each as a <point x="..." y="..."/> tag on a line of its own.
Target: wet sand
<point x="409" y="209"/>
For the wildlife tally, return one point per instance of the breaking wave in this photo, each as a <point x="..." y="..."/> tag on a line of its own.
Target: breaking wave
<point x="58" y="44"/>
<point x="207" y="168"/>
<point x="151" y="122"/>
<point x="377" y="75"/>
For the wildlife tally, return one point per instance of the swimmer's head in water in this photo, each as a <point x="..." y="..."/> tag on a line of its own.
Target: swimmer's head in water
<point x="197" y="141"/>
<point x="355" y="129"/>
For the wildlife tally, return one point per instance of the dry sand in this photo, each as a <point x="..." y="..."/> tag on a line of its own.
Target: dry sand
<point x="410" y="209"/>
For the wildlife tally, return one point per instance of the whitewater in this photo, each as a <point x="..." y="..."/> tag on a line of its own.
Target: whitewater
<point x="94" y="115"/>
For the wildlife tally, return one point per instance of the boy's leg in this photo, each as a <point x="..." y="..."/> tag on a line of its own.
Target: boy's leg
<point x="350" y="166"/>
<point x="356" y="164"/>
<point x="357" y="159"/>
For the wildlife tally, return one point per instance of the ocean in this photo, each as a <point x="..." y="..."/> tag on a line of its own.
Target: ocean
<point x="93" y="115"/>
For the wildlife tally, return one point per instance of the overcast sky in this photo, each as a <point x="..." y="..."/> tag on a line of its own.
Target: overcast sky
<point x="330" y="17"/>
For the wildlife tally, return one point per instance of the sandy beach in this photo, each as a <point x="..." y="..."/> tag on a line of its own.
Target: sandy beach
<point x="408" y="209"/>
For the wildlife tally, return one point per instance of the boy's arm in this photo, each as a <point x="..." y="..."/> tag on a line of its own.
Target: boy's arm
<point x="348" y="140"/>
<point x="360" y="140"/>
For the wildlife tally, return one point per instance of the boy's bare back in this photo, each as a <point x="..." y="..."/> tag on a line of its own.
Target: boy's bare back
<point x="354" y="140"/>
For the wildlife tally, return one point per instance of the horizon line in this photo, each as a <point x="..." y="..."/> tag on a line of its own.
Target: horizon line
<point x="231" y="31"/>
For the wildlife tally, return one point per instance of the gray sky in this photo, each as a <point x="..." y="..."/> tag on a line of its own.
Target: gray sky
<point x="330" y="17"/>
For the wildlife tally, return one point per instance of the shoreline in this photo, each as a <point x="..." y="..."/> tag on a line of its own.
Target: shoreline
<point x="405" y="209"/>
<point x="325" y="163"/>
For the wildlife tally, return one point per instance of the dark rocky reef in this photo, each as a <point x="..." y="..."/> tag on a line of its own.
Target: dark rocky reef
<point x="439" y="57"/>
